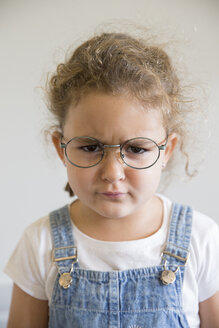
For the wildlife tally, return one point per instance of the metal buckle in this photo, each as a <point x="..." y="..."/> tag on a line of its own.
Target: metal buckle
<point x="180" y="258"/>
<point x="54" y="259"/>
<point x="183" y="259"/>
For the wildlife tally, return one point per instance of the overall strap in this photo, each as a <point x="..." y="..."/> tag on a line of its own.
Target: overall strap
<point x="64" y="252"/>
<point x="176" y="252"/>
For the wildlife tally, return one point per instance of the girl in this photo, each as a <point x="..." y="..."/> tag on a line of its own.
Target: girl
<point x="120" y="255"/>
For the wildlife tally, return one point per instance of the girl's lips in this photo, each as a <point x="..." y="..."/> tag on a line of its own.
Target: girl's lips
<point x="113" y="194"/>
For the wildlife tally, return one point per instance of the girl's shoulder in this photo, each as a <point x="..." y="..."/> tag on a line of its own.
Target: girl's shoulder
<point x="201" y="223"/>
<point x="38" y="231"/>
<point x="30" y="261"/>
<point x="204" y="250"/>
<point x="202" y="269"/>
<point x="205" y="230"/>
<point x="205" y="235"/>
<point x="41" y="223"/>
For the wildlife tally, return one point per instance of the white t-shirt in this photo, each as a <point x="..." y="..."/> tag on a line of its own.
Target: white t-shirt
<point x="32" y="269"/>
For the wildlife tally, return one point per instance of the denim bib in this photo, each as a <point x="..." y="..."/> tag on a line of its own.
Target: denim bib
<point x="136" y="298"/>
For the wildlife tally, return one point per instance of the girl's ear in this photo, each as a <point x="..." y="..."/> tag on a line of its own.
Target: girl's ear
<point x="56" y="139"/>
<point x="171" y="144"/>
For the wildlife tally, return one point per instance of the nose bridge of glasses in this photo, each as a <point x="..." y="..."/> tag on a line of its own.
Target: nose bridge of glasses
<point x="111" y="146"/>
<point x="118" y="153"/>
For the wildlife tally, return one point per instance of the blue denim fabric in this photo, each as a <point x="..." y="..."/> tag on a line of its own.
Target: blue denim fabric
<point x="120" y="299"/>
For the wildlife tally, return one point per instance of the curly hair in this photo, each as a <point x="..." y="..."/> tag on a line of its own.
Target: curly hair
<point x="118" y="63"/>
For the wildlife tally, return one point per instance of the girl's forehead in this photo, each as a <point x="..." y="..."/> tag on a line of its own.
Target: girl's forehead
<point x="103" y="114"/>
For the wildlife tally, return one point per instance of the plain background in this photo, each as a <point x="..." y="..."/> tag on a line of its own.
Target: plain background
<point x="34" y="37"/>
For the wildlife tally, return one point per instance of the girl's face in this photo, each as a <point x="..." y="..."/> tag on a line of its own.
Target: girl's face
<point x="112" y="189"/>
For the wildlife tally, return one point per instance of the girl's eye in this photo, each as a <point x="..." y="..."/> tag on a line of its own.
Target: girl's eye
<point x="136" y="150"/>
<point x="91" y="148"/>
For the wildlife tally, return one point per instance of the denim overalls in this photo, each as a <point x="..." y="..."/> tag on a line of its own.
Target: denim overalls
<point x="135" y="298"/>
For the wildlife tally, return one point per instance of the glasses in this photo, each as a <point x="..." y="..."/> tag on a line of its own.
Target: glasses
<point x="137" y="153"/>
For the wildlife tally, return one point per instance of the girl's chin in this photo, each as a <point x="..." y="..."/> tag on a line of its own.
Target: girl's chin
<point x="113" y="211"/>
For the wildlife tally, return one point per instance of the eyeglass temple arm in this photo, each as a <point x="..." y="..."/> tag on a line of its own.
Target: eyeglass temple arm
<point x="62" y="145"/>
<point x="163" y="147"/>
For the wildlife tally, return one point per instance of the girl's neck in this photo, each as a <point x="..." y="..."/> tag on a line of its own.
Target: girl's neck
<point x="141" y="224"/>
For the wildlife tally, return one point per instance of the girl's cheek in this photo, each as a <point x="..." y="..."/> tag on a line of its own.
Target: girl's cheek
<point x="79" y="178"/>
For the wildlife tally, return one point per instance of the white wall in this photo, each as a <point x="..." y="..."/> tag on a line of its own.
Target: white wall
<point x="34" y="35"/>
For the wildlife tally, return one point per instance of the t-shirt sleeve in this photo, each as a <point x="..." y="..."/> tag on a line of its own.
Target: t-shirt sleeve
<point x="27" y="264"/>
<point x="208" y="277"/>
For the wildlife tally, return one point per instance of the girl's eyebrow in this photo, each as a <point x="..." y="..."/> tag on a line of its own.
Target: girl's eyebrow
<point x="123" y="140"/>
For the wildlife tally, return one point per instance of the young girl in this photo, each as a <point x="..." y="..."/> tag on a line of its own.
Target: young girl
<point x="119" y="255"/>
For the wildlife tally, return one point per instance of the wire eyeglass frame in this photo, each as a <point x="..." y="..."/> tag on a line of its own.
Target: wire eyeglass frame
<point x="103" y="146"/>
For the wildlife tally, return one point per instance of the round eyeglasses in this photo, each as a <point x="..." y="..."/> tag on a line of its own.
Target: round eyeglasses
<point x="138" y="153"/>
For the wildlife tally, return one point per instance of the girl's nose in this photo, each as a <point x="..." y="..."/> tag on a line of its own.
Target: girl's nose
<point x="112" y="167"/>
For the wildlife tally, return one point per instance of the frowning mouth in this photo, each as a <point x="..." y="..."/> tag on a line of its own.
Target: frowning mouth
<point x="113" y="195"/>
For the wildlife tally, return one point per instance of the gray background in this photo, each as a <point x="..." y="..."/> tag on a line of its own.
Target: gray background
<point x="34" y="36"/>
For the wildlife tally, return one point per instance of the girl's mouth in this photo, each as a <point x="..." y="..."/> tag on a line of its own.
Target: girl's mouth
<point x="111" y="195"/>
